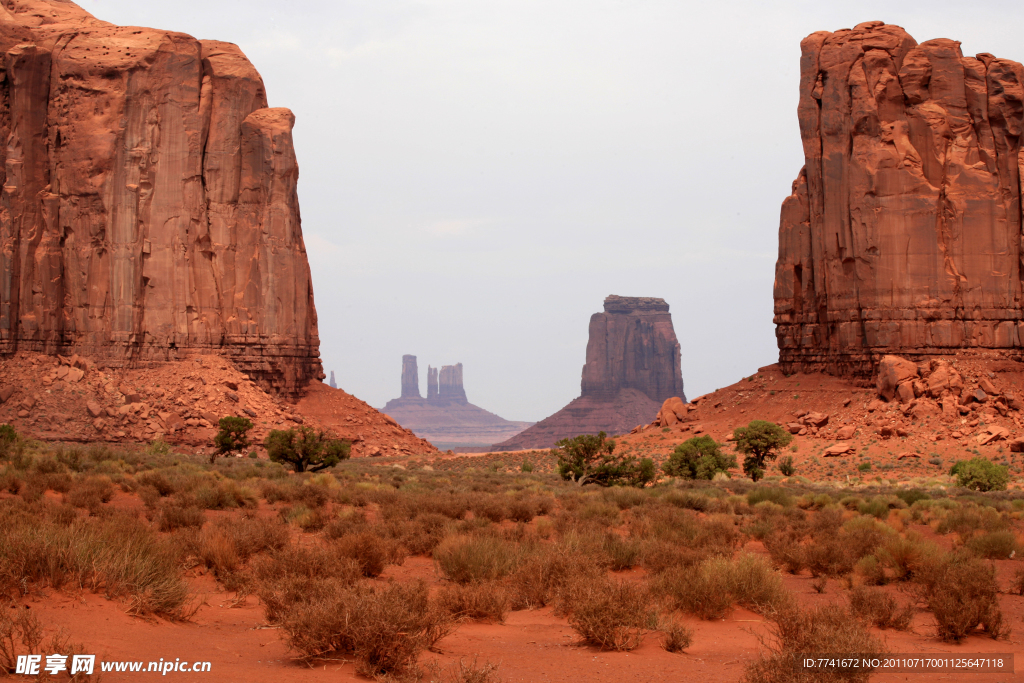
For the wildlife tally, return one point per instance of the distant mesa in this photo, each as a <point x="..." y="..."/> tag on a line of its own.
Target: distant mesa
<point x="445" y="417"/>
<point x="633" y="366"/>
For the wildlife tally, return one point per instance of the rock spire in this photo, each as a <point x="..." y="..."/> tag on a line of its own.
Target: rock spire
<point x="410" y="377"/>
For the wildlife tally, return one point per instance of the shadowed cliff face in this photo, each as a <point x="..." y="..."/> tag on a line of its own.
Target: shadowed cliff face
<point x="902" y="234"/>
<point x="149" y="200"/>
<point x="410" y="377"/>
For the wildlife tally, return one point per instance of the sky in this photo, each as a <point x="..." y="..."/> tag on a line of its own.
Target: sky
<point x="476" y="176"/>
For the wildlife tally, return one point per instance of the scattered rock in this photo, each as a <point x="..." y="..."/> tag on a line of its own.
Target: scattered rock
<point x="5" y="394"/>
<point x="846" y="432"/>
<point x="250" y="412"/>
<point x="75" y="374"/>
<point x="232" y="396"/>
<point x="794" y="427"/>
<point x="94" y="408"/>
<point x="986" y="385"/>
<point x="99" y="424"/>
<point x="908" y="454"/>
<point x="1016" y="445"/>
<point x="23" y="413"/>
<point x="838" y="449"/>
<point x="992" y="433"/>
<point x="233" y="386"/>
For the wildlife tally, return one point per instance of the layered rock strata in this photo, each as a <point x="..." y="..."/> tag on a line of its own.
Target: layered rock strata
<point x="903" y="230"/>
<point x="149" y="207"/>
<point x="633" y="366"/>
<point x="446" y="418"/>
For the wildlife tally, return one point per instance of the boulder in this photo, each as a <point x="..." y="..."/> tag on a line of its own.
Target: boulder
<point x="846" y="432"/>
<point x="817" y="420"/>
<point x="672" y="412"/>
<point x="986" y="385"/>
<point x="1016" y="445"/>
<point x="94" y="408"/>
<point x="893" y="371"/>
<point x="944" y="379"/>
<point x="794" y="427"/>
<point x="5" y="394"/>
<point x="838" y="449"/>
<point x="924" y="407"/>
<point x="992" y="433"/>
<point x="905" y="392"/>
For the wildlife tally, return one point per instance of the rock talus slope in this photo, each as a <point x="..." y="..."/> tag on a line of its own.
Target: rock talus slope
<point x="903" y="231"/>
<point x="633" y="366"/>
<point x="149" y="205"/>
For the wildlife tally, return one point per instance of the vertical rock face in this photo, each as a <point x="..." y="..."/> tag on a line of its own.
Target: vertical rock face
<point x="332" y="384"/>
<point x="431" y="383"/>
<point x="450" y="386"/>
<point x="633" y="345"/>
<point x="633" y="365"/>
<point x="149" y="202"/>
<point x="903" y="231"/>
<point x="410" y="377"/>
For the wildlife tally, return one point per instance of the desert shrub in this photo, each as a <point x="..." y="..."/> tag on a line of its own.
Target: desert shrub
<point x="981" y="474"/>
<point x="995" y="545"/>
<point x="678" y="637"/>
<point x="769" y="493"/>
<point x="699" y="457"/>
<point x="306" y="449"/>
<point x="20" y="633"/>
<point x="876" y="507"/>
<point x="90" y="493"/>
<point x="690" y="500"/>
<point x="760" y="441"/>
<point x="157" y="480"/>
<point x="962" y="594"/>
<point x="385" y="628"/>
<point x="476" y="558"/>
<point x="829" y="628"/>
<point x="371" y="551"/>
<point x="173" y="516"/>
<point x="484" y="600"/>
<point x="625" y="498"/>
<point x="613" y="615"/>
<point x="911" y="496"/>
<point x="709" y="590"/>
<point x="522" y="509"/>
<point x="786" y="552"/>
<point x="304" y="517"/>
<point x="552" y="573"/>
<point x="906" y="556"/>
<point x="8" y="439"/>
<point x="115" y="553"/>
<point x="312" y="495"/>
<point x="871" y="571"/>
<point x="967" y="520"/>
<point x="590" y="459"/>
<point x="786" y="466"/>
<point x="492" y="507"/>
<point x="881" y="609"/>
<point x="624" y="552"/>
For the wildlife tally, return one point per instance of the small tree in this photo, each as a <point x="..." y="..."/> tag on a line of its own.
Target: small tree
<point x="981" y="474"/>
<point x="590" y="459"/>
<point x="787" y="467"/>
<point x="305" y="449"/>
<point x="233" y="436"/>
<point x="760" y="441"/>
<point x="8" y="437"/>
<point x="699" y="457"/>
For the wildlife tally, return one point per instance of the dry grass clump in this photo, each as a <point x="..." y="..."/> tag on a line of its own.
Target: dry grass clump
<point x="710" y="589"/>
<point x="117" y="554"/>
<point x="672" y="537"/>
<point x="20" y="633"/>
<point x="962" y="594"/>
<point x="461" y="672"/>
<point x="828" y="629"/>
<point x="994" y="545"/>
<point x="372" y="551"/>
<point x="614" y="615"/>
<point x="483" y="601"/>
<point x="678" y="636"/>
<point x="90" y="493"/>
<point x="227" y="543"/>
<point x="550" y="573"/>
<point x="174" y="516"/>
<point x="477" y="558"/>
<point x="881" y="609"/>
<point x="968" y="520"/>
<point x="304" y="517"/>
<point x="385" y="628"/>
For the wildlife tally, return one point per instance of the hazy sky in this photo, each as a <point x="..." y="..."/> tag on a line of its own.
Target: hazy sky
<point x="477" y="175"/>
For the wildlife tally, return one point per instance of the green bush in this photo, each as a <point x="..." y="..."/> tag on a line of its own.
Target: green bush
<point x="306" y="449"/>
<point x="786" y="466"/>
<point x="699" y="457"/>
<point x="981" y="474"/>
<point x="233" y="436"/>
<point x="8" y="437"/>
<point x="590" y="459"/>
<point x="760" y="441"/>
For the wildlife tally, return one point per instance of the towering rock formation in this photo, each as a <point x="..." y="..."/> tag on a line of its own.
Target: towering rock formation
<point x="410" y="377"/>
<point x="149" y="205"/>
<point x="633" y="365"/>
<point x="903" y="231"/>
<point x="431" y="384"/>
<point x="450" y="386"/>
<point x="446" y="418"/>
<point x="332" y="384"/>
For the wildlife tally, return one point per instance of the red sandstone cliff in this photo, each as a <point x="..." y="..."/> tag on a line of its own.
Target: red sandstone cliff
<point x="633" y="365"/>
<point x="149" y="203"/>
<point x="903" y="231"/>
